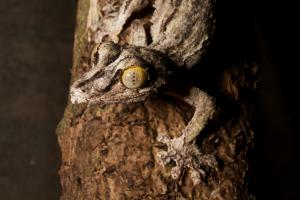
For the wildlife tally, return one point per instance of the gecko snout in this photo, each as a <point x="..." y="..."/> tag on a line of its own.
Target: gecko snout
<point x="77" y="95"/>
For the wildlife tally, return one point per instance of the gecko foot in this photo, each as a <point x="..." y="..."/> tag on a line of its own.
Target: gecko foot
<point x="186" y="156"/>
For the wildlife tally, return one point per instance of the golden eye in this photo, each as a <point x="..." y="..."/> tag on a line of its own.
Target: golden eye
<point x="134" y="77"/>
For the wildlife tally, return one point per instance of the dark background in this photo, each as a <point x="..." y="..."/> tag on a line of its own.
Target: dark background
<point x="35" y="59"/>
<point x="36" y="39"/>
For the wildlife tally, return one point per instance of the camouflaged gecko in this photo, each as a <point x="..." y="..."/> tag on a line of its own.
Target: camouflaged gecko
<point x="124" y="73"/>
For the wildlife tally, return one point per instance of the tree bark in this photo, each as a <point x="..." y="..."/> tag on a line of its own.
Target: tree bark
<point x="108" y="151"/>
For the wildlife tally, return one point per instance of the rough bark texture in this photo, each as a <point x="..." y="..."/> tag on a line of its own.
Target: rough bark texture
<point x="108" y="151"/>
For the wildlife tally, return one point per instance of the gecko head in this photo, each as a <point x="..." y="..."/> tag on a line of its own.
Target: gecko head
<point x="120" y="74"/>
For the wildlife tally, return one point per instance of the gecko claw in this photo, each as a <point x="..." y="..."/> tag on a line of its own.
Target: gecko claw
<point x="186" y="156"/>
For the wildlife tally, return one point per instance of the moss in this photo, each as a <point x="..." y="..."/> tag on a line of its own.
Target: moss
<point x="61" y="127"/>
<point x="77" y="109"/>
<point x="80" y="34"/>
<point x="78" y="50"/>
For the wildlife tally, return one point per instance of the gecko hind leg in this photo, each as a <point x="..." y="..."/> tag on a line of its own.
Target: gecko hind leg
<point x="137" y="35"/>
<point x="127" y="9"/>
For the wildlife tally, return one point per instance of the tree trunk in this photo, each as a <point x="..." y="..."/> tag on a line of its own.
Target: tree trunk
<point x="108" y="151"/>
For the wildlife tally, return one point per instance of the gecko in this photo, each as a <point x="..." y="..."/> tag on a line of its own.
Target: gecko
<point x="130" y="72"/>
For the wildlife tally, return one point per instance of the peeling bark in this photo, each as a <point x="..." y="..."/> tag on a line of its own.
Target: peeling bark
<point x="108" y="151"/>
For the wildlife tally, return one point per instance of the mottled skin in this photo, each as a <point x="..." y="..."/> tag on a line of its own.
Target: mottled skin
<point x="179" y="33"/>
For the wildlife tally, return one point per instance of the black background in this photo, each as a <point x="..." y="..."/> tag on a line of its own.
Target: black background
<point x="278" y="139"/>
<point x="36" y="56"/>
<point x="36" y="39"/>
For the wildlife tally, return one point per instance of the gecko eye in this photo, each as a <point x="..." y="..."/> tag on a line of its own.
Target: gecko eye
<point x="134" y="77"/>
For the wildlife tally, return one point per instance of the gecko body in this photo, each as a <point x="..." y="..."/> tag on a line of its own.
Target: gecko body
<point x="124" y="73"/>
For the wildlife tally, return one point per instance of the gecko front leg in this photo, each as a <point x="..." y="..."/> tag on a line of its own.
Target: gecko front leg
<point x="204" y="110"/>
<point x="182" y="150"/>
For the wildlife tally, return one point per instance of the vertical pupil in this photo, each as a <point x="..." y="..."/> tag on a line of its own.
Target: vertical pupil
<point x="134" y="77"/>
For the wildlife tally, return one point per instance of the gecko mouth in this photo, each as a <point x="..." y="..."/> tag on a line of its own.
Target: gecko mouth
<point x="125" y="99"/>
<point x="77" y="96"/>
